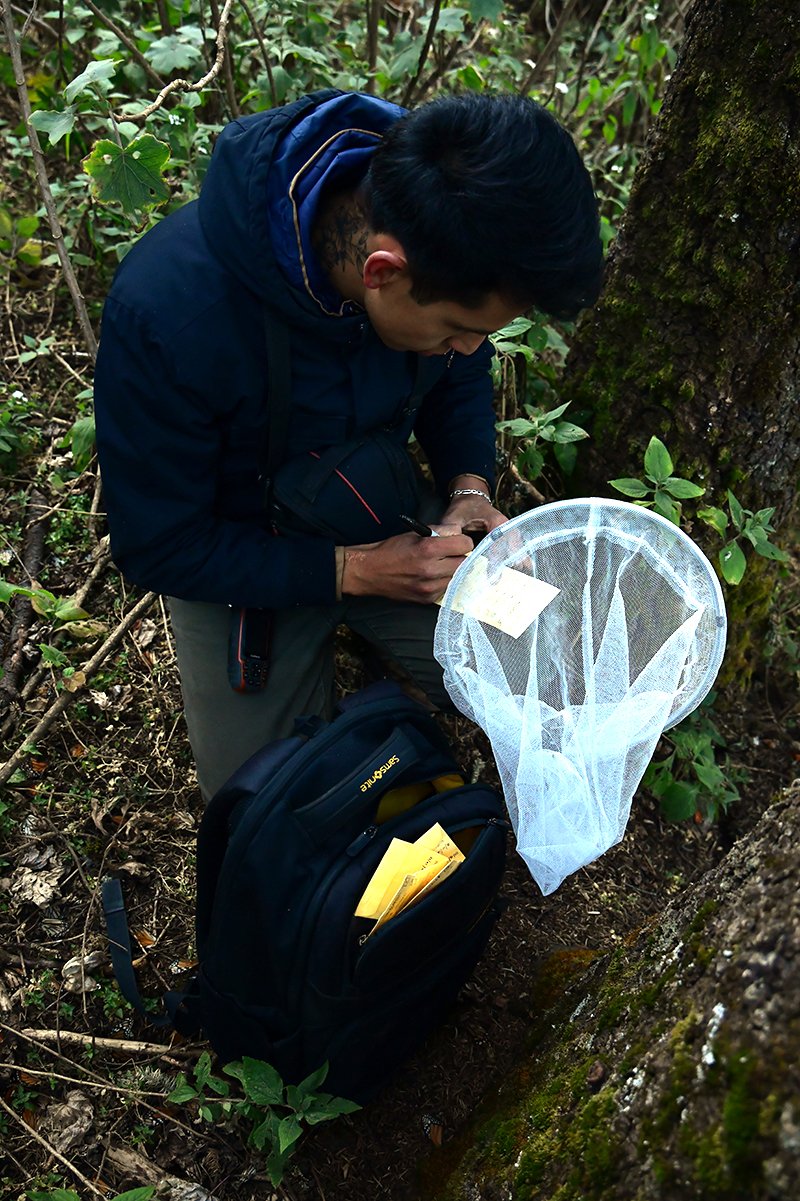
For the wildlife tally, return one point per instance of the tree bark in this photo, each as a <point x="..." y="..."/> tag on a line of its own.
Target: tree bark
<point x="697" y="336"/>
<point x="672" y="1069"/>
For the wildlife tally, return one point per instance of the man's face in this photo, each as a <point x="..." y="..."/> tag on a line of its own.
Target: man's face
<point x="403" y="324"/>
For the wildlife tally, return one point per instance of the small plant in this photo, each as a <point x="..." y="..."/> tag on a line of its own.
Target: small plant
<point x="272" y="1113"/>
<point x="67" y="1194"/>
<point x="543" y="426"/>
<point x="660" y="489"/>
<point x="689" y="782"/>
<point x="752" y="527"/>
<point x="16" y="432"/>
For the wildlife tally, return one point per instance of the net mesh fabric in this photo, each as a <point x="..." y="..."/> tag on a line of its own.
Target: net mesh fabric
<point x="575" y="705"/>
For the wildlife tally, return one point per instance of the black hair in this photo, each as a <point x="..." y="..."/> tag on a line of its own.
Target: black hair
<point x="488" y="194"/>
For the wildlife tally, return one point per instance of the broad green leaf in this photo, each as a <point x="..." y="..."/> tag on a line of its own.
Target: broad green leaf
<point x="768" y="550"/>
<point x="678" y="802"/>
<point x="514" y="329"/>
<point x="131" y="175"/>
<point x="682" y="489"/>
<point x="56" y="1194"/>
<point x="471" y="78"/>
<point x="54" y="124"/>
<point x="520" y="427"/>
<point x="137" y="1194"/>
<point x="732" y="563"/>
<point x="173" y="53"/>
<point x="716" y="518"/>
<point x="312" y="1082"/>
<point x="44" y="603"/>
<point x="531" y="464"/>
<point x="275" y="1166"/>
<point x="565" y="431"/>
<point x="764" y="518"/>
<point x="663" y="505"/>
<point x="630" y="487"/>
<point x="332" y="1108"/>
<point x="737" y="512"/>
<point x="67" y="610"/>
<point x="289" y="1132"/>
<point x="85" y="629"/>
<point x="52" y="656"/>
<point x="261" y="1083"/>
<point x="485" y="10"/>
<point x="554" y="414"/>
<point x="451" y="20"/>
<point x="710" y="776"/>
<point x="97" y="72"/>
<point x="8" y="590"/>
<point x="566" y="456"/>
<point x="182" y="1092"/>
<point x="202" y="1070"/>
<point x="82" y="439"/>
<point x="27" y="227"/>
<point x="657" y="461"/>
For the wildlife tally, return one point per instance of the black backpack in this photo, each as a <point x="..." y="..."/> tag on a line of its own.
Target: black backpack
<point x="286" y="848"/>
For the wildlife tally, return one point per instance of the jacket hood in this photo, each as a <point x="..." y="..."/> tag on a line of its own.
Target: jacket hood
<point x="263" y="186"/>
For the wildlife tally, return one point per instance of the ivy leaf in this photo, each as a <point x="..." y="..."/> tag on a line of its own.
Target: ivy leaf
<point x="54" y="123"/>
<point x="98" y="72"/>
<point x="732" y="563"/>
<point x="129" y="175"/>
<point x="630" y="487"/>
<point x="682" y="489"/>
<point x="657" y="461"/>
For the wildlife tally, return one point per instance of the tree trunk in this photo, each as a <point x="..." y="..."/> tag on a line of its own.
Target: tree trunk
<point x="672" y="1069"/>
<point x="696" y="338"/>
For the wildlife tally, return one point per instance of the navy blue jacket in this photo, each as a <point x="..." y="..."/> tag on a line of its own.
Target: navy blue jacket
<point x="181" y="381"/>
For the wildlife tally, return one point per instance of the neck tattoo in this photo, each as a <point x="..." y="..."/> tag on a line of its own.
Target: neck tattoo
<point x="340" y="238"/>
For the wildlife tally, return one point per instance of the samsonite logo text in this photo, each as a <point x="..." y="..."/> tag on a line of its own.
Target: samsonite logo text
<point x="379" y="773"/>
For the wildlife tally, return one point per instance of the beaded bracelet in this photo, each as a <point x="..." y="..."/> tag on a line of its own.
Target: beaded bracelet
<point x="469" y="492"/>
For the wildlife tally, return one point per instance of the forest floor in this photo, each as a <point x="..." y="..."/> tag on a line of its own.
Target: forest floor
<point x="110" y="790"/>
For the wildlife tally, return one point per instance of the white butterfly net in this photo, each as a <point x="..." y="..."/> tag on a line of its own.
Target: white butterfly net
<point x="612" y="629"/>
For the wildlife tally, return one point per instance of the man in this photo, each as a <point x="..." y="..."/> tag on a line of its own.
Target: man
<point x="389" y="245"/>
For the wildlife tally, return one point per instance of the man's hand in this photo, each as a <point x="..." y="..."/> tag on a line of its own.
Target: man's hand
<point x="408" y="567"/>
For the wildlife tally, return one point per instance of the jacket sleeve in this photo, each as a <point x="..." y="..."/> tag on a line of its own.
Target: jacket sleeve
<point x="159" y="447"/>
<point x="455" y="423"/>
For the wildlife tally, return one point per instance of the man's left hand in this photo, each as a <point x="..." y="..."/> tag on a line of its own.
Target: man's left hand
<point x="471" y="510"/>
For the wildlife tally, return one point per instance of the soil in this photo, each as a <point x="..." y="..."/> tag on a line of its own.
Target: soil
<point x="110" y="789"/>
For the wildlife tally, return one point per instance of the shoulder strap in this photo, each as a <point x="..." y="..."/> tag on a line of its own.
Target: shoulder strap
<point x="181" y="1013"/>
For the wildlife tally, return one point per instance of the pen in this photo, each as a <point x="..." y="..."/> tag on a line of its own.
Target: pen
<point x="418" y="527"/>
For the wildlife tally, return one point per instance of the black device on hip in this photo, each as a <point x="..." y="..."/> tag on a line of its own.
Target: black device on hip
<point x="248" y="649"/>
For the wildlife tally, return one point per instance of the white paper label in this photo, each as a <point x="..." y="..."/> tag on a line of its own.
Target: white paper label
<point x="510" y="601"/>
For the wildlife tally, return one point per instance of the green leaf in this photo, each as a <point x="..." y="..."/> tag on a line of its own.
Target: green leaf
<point x="173" y="53"/>
<point x="663" y="505"/>
<point x="275" y="1167"/>
<point x="682" y="489"/>
<point x="261" y="1083"/>
<point x="716" y="518"/>
<point x="530" y="464"/>
<point x="678" y="802"/>
<point x="137" y="1194"/>
<point x="8" y="590"/>
<point x="657" y="461"/>
<point x="732" y="563"/>
<point x="566" y="456"/>
<point x="768" y="550"/>
<point x="182" y="1091"/>
<point x="56" y="1194"/>
<point x="131" y="176"/>
<point x="630" y="487"/>
<point x="517" y="327"/>
<point x="82" y="439"/>
<point x="202" y="1070"/>
<point x="332" y="1108"/>
<point x="52" y="656"/>
<point x="97" y="72"/>
<point x="67" y="610"/>
<point x="710" y="776"/>
<point x="485" y="10"/>
<point x="27" y="227"/>
<point x="565" y="431"/>
<point x="737" y="512"/>
<point x="55" y="124"/>
<point x="289" y="1132"/>
<point x="519" y="427"/>
<point x="312" y="1082"/>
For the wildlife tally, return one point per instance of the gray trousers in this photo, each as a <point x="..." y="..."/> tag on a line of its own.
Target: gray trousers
<point x="226" y="727"/>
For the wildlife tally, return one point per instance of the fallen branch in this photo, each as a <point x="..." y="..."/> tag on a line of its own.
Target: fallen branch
<point x="31" y="1133"/>
<point x="23" y="609"/>
<point x="121" y="1046"/>
<point x="66" y="698"/>
<point x="102" y="1085"/>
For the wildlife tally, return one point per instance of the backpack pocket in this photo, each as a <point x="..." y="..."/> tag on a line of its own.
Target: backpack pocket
<point x="411" y="940"/>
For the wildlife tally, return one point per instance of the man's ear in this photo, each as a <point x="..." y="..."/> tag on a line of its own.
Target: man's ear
<point x="384" y="265"/>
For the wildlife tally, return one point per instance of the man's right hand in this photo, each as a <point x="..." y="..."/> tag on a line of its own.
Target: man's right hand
<point x="407" y="568"/>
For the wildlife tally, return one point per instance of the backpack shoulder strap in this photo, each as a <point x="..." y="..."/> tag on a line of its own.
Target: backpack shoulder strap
<point x="181" y="1012"/>
<point x="279" y="396"/>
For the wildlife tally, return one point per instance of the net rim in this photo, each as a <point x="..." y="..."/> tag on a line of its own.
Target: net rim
<point x="647" y="516"/>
